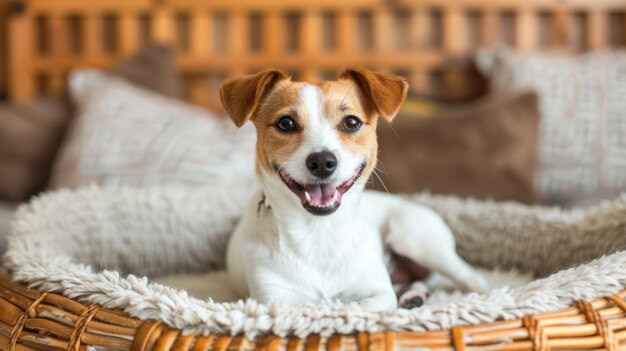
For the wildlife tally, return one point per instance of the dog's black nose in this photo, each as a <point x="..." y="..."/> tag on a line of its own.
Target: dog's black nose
<point x="321" y="164"/>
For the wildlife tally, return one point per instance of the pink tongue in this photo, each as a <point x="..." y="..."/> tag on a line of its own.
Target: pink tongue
<point x="321" y="193"/>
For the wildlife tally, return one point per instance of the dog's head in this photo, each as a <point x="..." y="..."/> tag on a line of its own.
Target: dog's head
<point x="315" y="142"/>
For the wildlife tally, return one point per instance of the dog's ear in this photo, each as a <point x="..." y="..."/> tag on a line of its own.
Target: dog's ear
<point x="386" y="92"/>
<point x="242" y="96"/>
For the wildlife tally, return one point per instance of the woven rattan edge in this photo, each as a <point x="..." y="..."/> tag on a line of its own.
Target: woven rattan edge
<point x="26" y="324"/>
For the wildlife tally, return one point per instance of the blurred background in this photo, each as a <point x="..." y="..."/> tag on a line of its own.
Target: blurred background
<point x="520" y="100"/>
<point x="428" y="41"/>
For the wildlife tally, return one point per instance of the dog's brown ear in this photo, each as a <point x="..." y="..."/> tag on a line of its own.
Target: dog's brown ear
<point x="242" y="96"/>
<point x="387" y="92"/>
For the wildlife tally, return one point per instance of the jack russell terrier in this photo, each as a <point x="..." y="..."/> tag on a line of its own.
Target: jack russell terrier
<point x="311" y="234"/>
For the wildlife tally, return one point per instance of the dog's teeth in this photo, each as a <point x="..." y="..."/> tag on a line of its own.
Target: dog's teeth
<point x="307" y="196"/>
<point x="335" y="196"/>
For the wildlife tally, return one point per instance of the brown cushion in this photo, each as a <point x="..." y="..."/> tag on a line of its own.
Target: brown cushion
<point x="31" y="132"/>
<point x="152" y="68"/>
<point x="484" y="149"/>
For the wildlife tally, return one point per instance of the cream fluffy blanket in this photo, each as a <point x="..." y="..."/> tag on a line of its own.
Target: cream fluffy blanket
<point x="95" y="245"/>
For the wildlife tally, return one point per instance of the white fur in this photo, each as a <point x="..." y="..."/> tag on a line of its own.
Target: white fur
<point x="281" y="253"/>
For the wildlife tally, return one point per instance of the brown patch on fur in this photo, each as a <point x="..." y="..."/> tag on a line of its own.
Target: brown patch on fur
<point x="387" y="92"/>
<point x="242" y="96"/>
<point x="272" y="144"/>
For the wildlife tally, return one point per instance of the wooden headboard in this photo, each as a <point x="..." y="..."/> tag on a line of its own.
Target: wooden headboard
<point x="428" y="41"/>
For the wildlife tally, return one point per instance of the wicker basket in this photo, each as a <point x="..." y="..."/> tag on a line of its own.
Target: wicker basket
<point x="32" y="320"/>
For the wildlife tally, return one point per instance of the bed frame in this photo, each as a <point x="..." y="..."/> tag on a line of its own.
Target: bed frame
<point x="428" y="41"/>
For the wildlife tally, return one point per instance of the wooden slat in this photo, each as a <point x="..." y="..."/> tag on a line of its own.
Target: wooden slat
<point x="420" y="25"/>
<point x="215" y="63"/>
<point x="346" y="31"/>
<point x="80" y="6"/>
<point x="128" y="35"/>
<point x="489" y="28"/>
<point x="92" y="42"/>
<point x="597" y="30"/>
<point x="201" y="33"/>
<point x="59" y="36"/>
<point x="561" y="29"/>
<point x="273" y="5"/>
<point x="384" y="38"/>
<point x="454" y="44"/>
<point x="163" y="26"/>
<point x="311" y="39"/>
<point x="514" y="4"/>
<point x="59" y="39"/>
<point x="526" y="30"/>
<point x="453" y="28"/>
<point x="237" y="39"/>
<point x="273" y="34"/>
<point x="21" y="53"/>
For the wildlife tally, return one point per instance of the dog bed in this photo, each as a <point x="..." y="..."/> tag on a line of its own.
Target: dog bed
<point x="95" y="246"/>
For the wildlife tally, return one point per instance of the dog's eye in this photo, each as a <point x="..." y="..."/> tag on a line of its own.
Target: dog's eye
<point x="286" y="124"/>
<point x="351" y="124"/>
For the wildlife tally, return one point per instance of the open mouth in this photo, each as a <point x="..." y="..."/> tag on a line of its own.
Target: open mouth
<point x="320" y="198"/>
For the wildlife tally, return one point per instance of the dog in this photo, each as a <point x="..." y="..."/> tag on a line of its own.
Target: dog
<point x="312" y="233"/>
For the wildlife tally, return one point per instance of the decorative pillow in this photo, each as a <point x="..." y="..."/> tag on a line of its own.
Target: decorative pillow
<point x="126" y="135"/>
<point x="582" y="134"/>
<point x="31" y="132"/>
<point x="485" y="149"/>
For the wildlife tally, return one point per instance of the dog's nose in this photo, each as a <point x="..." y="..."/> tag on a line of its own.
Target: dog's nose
<point x="321" y="164"/>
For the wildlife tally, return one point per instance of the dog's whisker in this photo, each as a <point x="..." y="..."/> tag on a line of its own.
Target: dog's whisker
<point x="380" y="170"/>
<point x="393" y="129"/>
<point x="380" y="180"/>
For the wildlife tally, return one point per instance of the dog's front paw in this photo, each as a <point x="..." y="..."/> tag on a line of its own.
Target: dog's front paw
<point x="373" y="304"/>
<point x="370" y="304"/>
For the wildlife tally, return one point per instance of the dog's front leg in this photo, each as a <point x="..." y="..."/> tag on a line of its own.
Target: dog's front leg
<point x="372" y="290"/>
<point x="281" y="295"/>
<point x="266" y="286"/>
<point x="382" y="301"/>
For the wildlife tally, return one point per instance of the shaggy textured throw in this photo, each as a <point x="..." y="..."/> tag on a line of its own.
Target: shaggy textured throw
<point x="83" y="243"/>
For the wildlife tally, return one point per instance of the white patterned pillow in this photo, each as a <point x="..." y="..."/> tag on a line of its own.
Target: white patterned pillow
<point x="124" y="135"/>
<point x="582" y="133"/>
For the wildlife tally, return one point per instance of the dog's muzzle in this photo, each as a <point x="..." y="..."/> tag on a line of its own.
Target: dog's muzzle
<point x="320" y="198"/>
